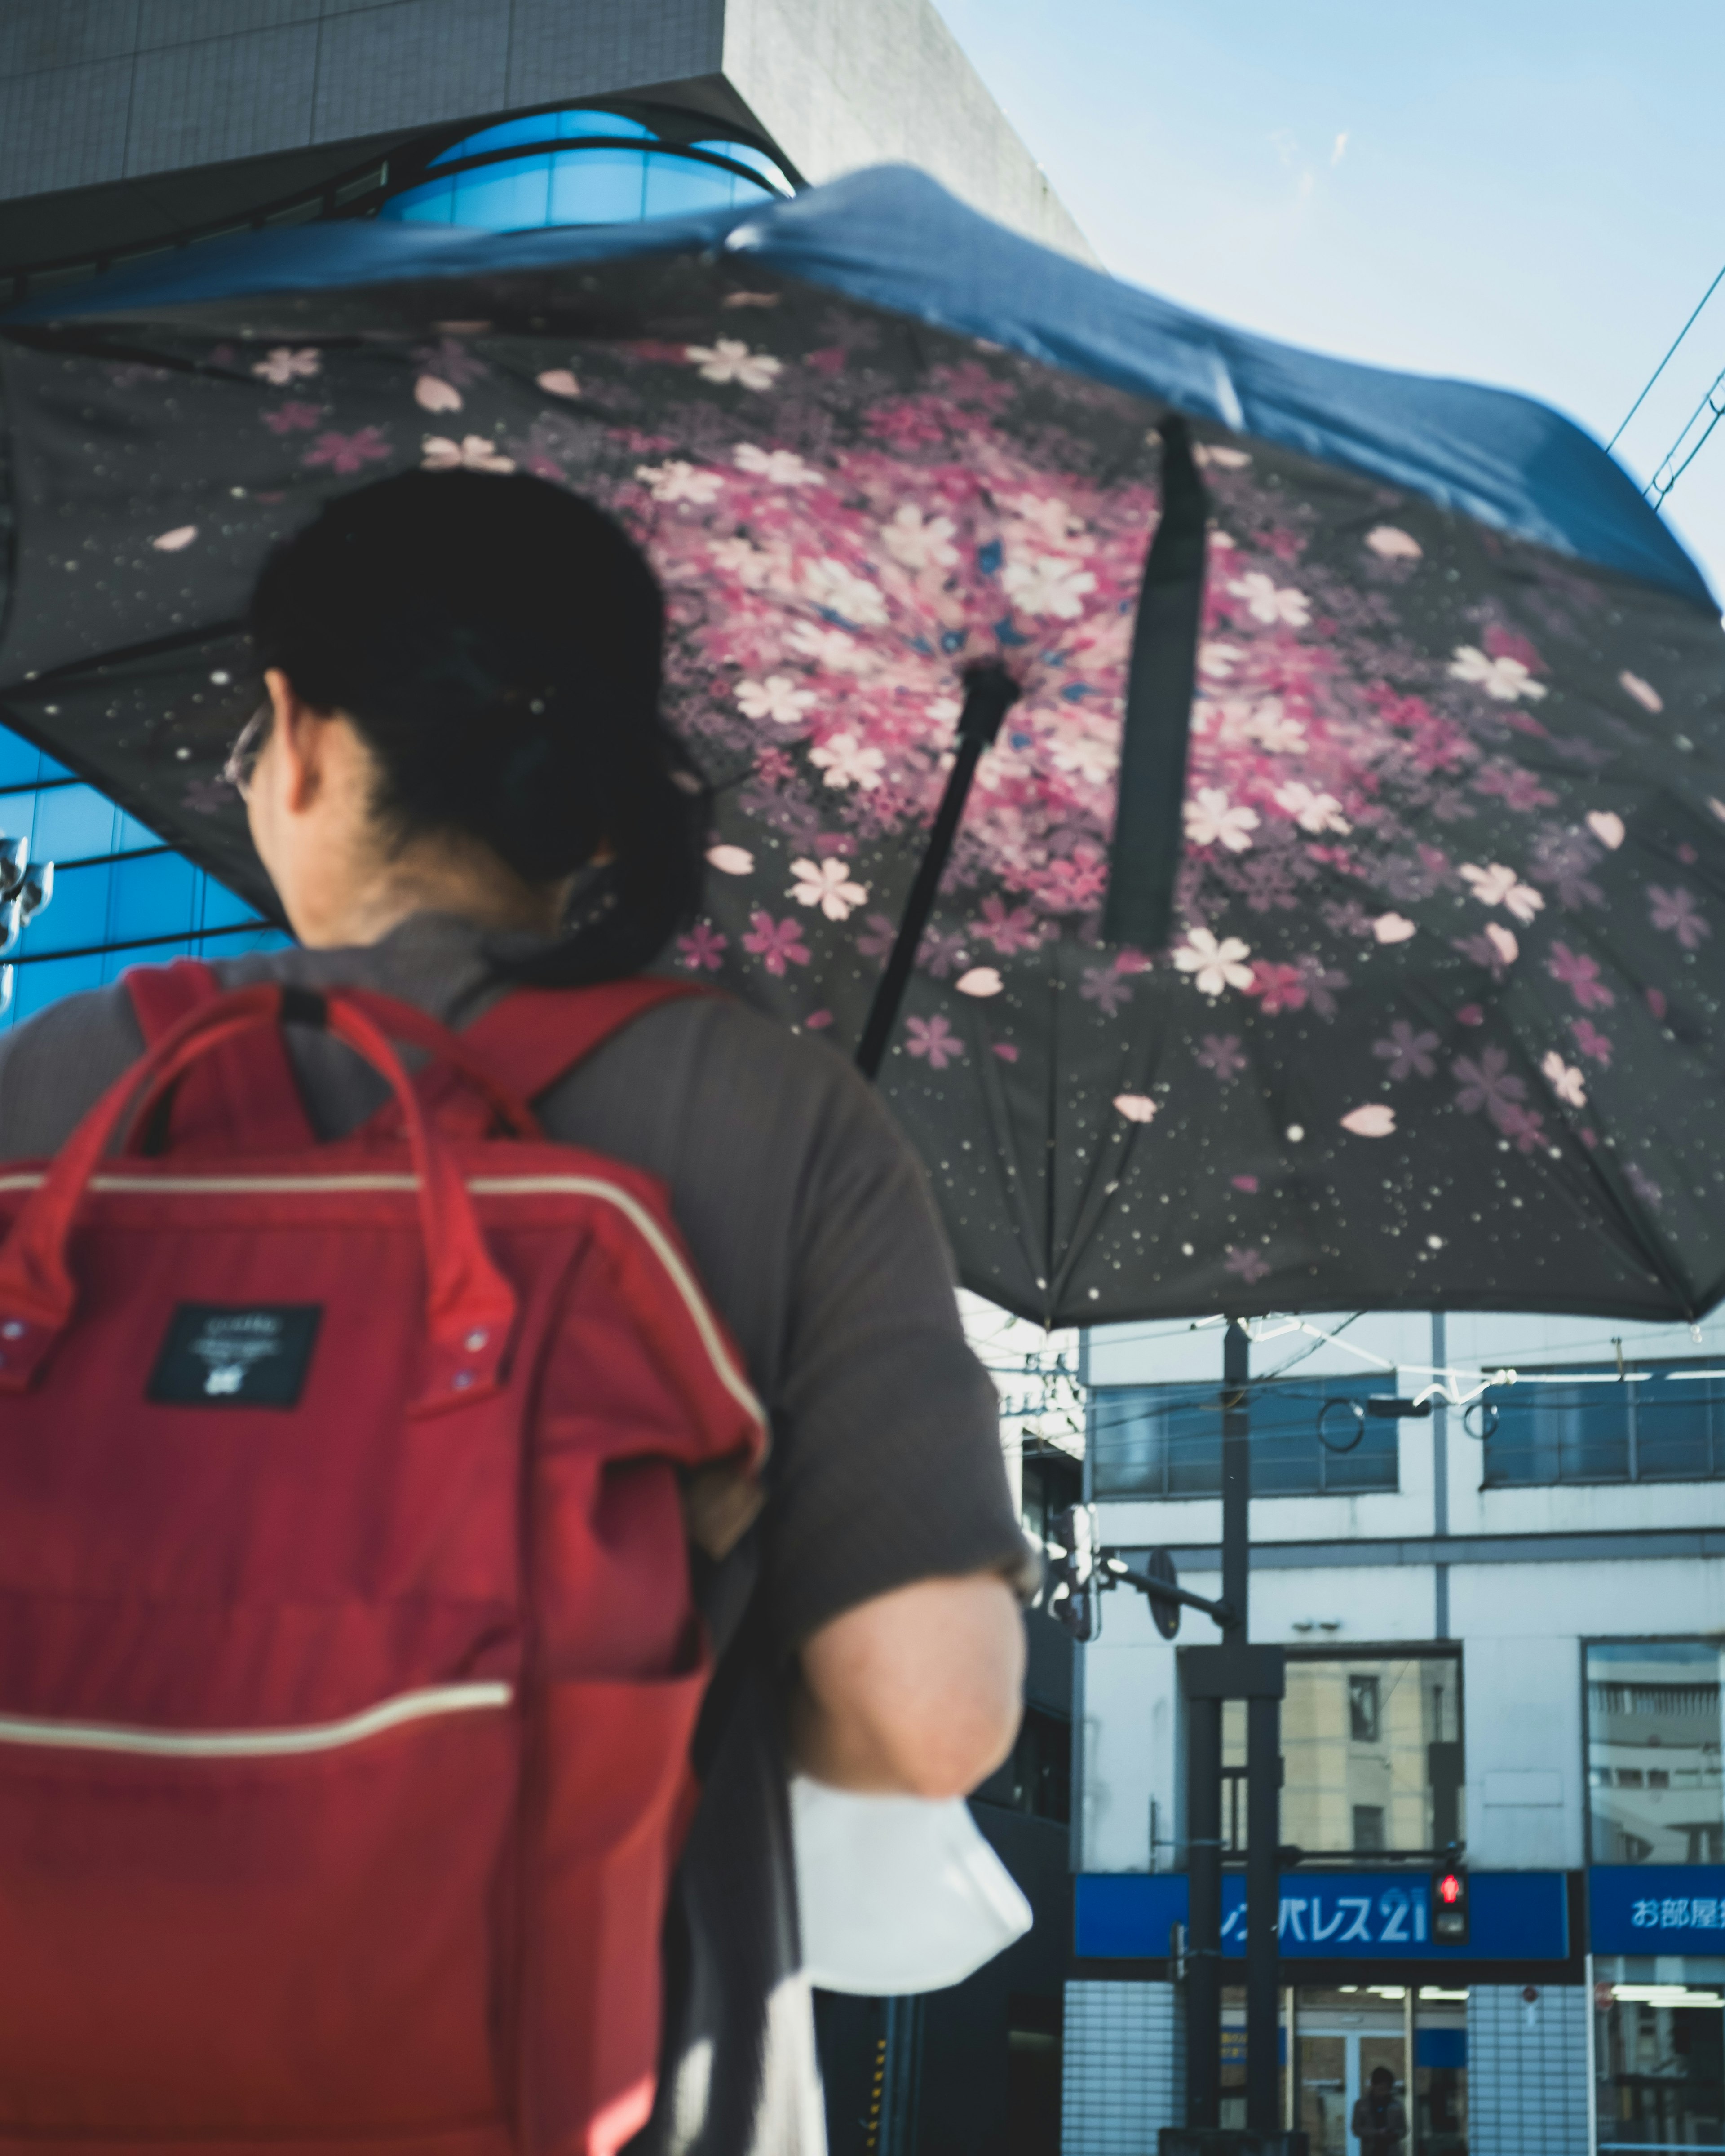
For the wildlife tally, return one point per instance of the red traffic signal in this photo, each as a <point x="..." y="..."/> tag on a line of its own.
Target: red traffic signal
<point x="1449" y="1905"/>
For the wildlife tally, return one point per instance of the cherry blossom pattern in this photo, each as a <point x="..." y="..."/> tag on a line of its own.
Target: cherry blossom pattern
<point x="1246" y="1265"/>
<point x="1590" y="1041"/>
<point x="1220" y="1054"/>
<point x="827" y="885"/>
<point x="293" y="417"/>
<point x="1579" y="972"/>
<point x="346" y="453"/>
<point x="1407" y="1051"/>
<point x="703" y="948"/>
<point x="728" y="359"/>
<point x="283" y="365"/>
<point x="1214" y="964"/>
<point x="1503" y="679"/>
<point x="934" y="1039"/>
<point x="1489" y="1083"/>
<point x="1136" y="1107"/>
<point x="472" y="453"/>
<point x="1376" y="1119"/>
<point x="1677" y="913"/>
<point x="1565" y="1080"/>
<point x="776" y="943"/>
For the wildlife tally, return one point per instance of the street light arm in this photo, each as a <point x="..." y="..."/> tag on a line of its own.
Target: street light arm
<point x="1159" y="1591"/>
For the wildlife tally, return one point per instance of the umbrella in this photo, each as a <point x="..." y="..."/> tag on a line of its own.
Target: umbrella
<point x="1393" y="979"/>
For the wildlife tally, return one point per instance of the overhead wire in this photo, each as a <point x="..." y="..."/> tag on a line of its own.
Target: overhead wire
<point x="1714" y="402"/>
<point x="1667" y="361"/>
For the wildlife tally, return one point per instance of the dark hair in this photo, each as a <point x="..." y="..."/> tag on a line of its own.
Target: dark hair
<point x="1383" y="2074"/>
<point x="498" y="643"/>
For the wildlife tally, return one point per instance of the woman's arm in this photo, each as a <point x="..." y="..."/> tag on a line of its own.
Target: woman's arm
<point x="917" y="1692"/>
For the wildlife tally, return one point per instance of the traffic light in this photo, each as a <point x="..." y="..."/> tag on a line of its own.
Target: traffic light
<point x="1072" y="1572"/>
<point x="1449" y="1905"/>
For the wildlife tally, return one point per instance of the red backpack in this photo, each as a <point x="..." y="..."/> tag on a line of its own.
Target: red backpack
<point x="348" y="1662"/>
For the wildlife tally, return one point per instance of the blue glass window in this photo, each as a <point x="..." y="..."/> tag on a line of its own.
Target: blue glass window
<point x="1166" y="1440"/>
<point x="121" y="898"/>
<point x="1662" y="1424"/>
<point x="543" y="128"/>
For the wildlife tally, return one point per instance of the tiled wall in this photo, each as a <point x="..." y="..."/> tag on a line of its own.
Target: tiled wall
<point x="1124" y="2073"/>
<point x="1527" y="2070"/>
<point x="121" y="898"/>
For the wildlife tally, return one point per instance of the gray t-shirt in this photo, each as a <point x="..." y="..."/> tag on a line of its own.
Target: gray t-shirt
<point x="813" y="1230"/>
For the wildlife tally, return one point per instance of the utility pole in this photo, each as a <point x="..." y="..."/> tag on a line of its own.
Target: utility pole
<point x="1209" y="1675"/>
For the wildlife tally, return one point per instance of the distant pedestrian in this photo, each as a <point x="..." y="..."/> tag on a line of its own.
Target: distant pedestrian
<point x="1379" y="2118"/>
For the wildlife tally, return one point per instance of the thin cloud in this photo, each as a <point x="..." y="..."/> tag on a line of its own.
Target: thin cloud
<point x="1340" y="148"/>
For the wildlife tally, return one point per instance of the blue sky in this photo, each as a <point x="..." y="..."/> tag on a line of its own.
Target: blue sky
<point x="1524" y="193"/>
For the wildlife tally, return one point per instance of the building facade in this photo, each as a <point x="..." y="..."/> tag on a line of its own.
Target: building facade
<point x="1504" y="1623"/>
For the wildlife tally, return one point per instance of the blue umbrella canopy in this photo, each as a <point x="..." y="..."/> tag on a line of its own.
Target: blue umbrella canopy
<point x="1332" y="919"/>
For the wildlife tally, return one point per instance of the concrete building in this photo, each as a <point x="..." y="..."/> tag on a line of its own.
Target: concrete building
<point x="1504" y="1624"/>
<point x="131" y="126"/>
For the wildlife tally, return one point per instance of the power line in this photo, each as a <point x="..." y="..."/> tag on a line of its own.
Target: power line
<point x="1713" y="402"/>
<point x="1666" y="362"/>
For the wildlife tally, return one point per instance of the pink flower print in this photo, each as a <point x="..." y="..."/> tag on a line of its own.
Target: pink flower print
<point x="878" y="937"/>
<point x="1246" y="1265"/>
<point x="1645" y="1187"/>
<point x="776" y="944"/>
<point x="938" y="954"/>
<point x="1590" y="1041"/>
<point x="1321" y="982"/>
<point x="1007" y="928"/>
<point x="1516" y="788"/>
<point x="703" y="948"/>
<point x="1249" y="1184"/>
<point x="293" y="418"/>
<point x="451" y="359"/>
<point x="1219" y="1054"/>
<point x="1677" y="911"/>
<point x="1103" y="987"/>
<point x="1580" y="974"/>
<point x="1469" y="1014"/>
<point x="1525" y="1126"/>
<point x="1488" y="1084"/>
<point x="1071" y="886"/>
<point x="905" y="425"/>
<point x="1006" y="1051"/>
<point x="1281" y="988"/>
<point x="1655" y="1003"/>
<point x="935" y="1038"/>
<point x="818" y="1020"/>
<point x="1407" y="1051"/>
<point x="349" y="453"/>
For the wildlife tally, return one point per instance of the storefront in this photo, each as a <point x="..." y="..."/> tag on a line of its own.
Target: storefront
<point x="1372" y="1989"/>
<point x="1658" y="1935"/>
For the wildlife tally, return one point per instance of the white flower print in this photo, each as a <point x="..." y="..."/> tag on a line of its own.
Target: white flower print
<point x="1136" y="1107"/>
<point x="739" y="558"/>
<point x="558" y="382"/>
<point x="472" y="453"/>
<point x="1218" y="454"/>
<point x="980" y="981"/>
<point x="1565" y="1080"/>
<point x="171" y="542"/>
<point x="730" y="360"/>
<point x="1607" y="827"/>
<point x="1052" y="520"/>
<point x="282" y="365"/>
<point x="778" y="467"/>
<point x="1264" y="603"/>
<point x="1643" y="692"/>
<point x="920" y="542"/>
<point x="830" y="584"/>
<point x="731" y="860"/>
<point x="432" y="393"/>
<point x="1211" y="822"/>
<point x="1394" y="928"/>
<point x="847" y="762"/>
<point x="777" y="698"/>
<point x="1312" y="812"/>
<point x="1274" y="732"/>
<point x="1219" y="660"/>
<point x="827" y="885"/>
<point x="1046" y="585"/>
<point x="678" y="481"/>
<point x="1503" y="679"/>
<point x="1214" y="966"/>
<point x="1391" y="545"/>
<point x="1376" y="1120"/>
<point x="1498" y="885"/>
<point x="1093" y="761"/>
<point x="829" y="648"/>
<point x="1502" y="942"/>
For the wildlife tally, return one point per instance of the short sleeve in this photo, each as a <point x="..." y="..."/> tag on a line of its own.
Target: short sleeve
<point x="892" y="1468"/>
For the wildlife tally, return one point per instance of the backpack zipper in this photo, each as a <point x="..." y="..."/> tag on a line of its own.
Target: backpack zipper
<point x="255" y="1744"/>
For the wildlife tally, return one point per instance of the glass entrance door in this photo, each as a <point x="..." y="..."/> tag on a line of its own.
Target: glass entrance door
<point x="1335" y="2069"/>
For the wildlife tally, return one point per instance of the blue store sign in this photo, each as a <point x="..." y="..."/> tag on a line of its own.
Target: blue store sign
<point x="1656" y="1908"/>
<point x="1331" y="1916"/>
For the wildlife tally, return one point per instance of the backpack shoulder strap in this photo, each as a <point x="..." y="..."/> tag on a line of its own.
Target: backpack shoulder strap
<point x="532" y="1037"/>
<point x="239" y="1098"/>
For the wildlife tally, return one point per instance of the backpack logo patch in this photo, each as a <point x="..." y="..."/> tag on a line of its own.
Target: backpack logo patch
<point x="251" y="1355"/>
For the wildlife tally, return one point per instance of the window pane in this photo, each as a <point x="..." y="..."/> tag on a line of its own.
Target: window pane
<point x="745" y="153"/>
<point x="73" y="823"/>
<point x="678" y="186"/>
<point x="1680" y="1428"/>
<point x="36" y="987"/>
<point x="1166" y="1440"/>
<point x="435" y="205"/>
<point x="131" y="833"/>
<point x="152" y="896"/>
<point x="222" y="908"/>
<point x="537" y="127"/>
<point x="1653" y="1712"/>
<point x="1551" y="1432"/>
<point x="511" y="197"/>
<point x="597" y="187"/>
<point x="19" y="762"/>
<point x="1362" y="1742"/>
<point x="77" y="917"/>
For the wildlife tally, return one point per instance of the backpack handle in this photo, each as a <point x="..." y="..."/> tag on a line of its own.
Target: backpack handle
<point x="470" y="1307"/>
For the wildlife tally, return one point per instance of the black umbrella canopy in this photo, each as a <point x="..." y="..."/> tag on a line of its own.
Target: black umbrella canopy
<point x="1438" y="1021"/>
